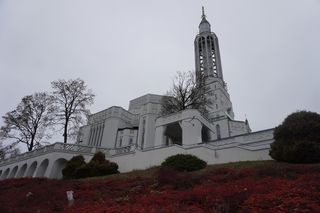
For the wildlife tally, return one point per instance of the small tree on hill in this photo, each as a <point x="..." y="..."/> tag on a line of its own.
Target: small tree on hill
<point x="186" y="93"/>
<point x="297" y="139"/>
<point x="71" y="98"/>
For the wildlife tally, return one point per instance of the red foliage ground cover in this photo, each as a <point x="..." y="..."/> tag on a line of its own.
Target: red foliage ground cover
<point x="272" y="187"/>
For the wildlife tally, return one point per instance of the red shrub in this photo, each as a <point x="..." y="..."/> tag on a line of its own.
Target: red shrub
<point x="176" y="179"/>
<point x="221" y="190"/>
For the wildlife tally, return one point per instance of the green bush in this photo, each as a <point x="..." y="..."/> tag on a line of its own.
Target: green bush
<point x="297" y="139"/>
<point x="184" y="162"/>
<point x="98" y="166"/>
<point x="72" y="165"/>
<point x="83" y="171"/>
<point x="98" y="158"/>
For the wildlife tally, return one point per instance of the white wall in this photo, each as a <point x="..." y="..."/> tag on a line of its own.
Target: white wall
<point x="247" y="147"/>
<point x="146" y="159"/>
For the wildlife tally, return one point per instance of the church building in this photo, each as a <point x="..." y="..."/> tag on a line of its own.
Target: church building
<point x="142" y="124"/>
<point x="140" y="137"/>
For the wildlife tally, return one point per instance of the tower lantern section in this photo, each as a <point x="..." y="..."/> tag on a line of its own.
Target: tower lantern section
<point x="207" y="55"/>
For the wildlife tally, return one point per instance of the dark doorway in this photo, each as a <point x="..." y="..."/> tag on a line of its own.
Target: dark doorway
<point x="205" y="134"/>
<point x="174" y="132"/>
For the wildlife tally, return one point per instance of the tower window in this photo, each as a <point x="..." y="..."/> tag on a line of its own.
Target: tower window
<point x="229" y="111"/>
<point x="120" y="142"/>
<point x="218" y="132"/>
<point x="130" y="141"/>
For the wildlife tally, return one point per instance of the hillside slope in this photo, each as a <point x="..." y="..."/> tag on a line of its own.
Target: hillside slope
<point x="241" y="187"/>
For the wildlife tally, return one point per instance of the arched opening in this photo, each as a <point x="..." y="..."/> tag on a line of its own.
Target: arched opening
<point x="13" y="172"/>
<point x="22" y="171"/>
<point x="57" y="167"/>
<point x="42" y="168"/>
<point x="6" y="173"/>
<point x="173" y="133"/>
<point x="205" y="134"/>
<point x="218" y="132"/>
<point x="32" y="169"/>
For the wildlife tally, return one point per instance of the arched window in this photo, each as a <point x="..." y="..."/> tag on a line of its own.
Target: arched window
<point x="218" y="131"/>
<point x="120" y="142"/>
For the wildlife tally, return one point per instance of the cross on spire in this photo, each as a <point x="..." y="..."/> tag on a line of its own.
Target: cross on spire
<point x="203" y="15"/>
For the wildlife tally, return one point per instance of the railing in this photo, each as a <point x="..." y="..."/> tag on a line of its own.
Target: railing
<point x="123" y="150"/>
<point x="259" y="136"/>
<point x="188" y="114"/>
<point x="66" y="148"/>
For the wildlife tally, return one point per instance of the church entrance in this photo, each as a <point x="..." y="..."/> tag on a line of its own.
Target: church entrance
<point x="173" y="133"/>
<point x="205" y="134"/>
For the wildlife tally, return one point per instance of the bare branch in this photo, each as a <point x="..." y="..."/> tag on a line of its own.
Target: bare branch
<point x="186" y="94"/>
<point x="71" y="100"/>
<point x="28" y="122"/>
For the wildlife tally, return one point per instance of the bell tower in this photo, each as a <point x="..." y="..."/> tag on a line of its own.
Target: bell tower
<point x="209" y="70"/>
<point x="208" y="62"/>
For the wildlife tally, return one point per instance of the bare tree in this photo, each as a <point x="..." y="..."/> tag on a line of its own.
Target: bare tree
<point x="2" y="151"/>
<point x="29" y="121"/>
<point x="71" y="99"/>
<point x="186" y="93"/>
<point x="9" y="150"/>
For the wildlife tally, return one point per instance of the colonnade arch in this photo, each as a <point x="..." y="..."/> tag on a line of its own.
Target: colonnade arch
<point x="6" y="173"/>
<point x="42" y="168"/>
<point x="22" y="171"/>
<point x="58" y="165"/>
<point x="13" y="172"/>
<point x="32" y="169"/>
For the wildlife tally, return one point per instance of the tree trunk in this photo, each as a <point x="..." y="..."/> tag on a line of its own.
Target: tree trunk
<point x="65" y="132"/>
<point x="30" y="147"/>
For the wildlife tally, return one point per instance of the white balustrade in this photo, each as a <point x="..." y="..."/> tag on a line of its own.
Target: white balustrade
<point x="61" y="147"/>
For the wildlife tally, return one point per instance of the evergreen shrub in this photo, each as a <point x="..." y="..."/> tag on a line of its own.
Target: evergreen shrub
<point x="184" y="162"/>
<point x="297" y="139"/>
<point x="98" y="166"/>
<point x="69" y="172"/>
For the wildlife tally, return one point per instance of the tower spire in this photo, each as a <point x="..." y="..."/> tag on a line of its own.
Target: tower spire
<point x="203" y="14"/>
<point x="204" y="24"/>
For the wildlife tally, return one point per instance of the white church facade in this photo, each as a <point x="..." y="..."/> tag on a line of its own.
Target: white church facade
<point x="141" y="137"/>
<point x="143" y="125"/>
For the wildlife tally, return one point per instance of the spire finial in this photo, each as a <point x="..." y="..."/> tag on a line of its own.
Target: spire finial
<point x="203" y="15"/>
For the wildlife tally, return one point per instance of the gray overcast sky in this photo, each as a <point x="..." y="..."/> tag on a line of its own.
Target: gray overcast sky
<point x="125" y="49"/>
